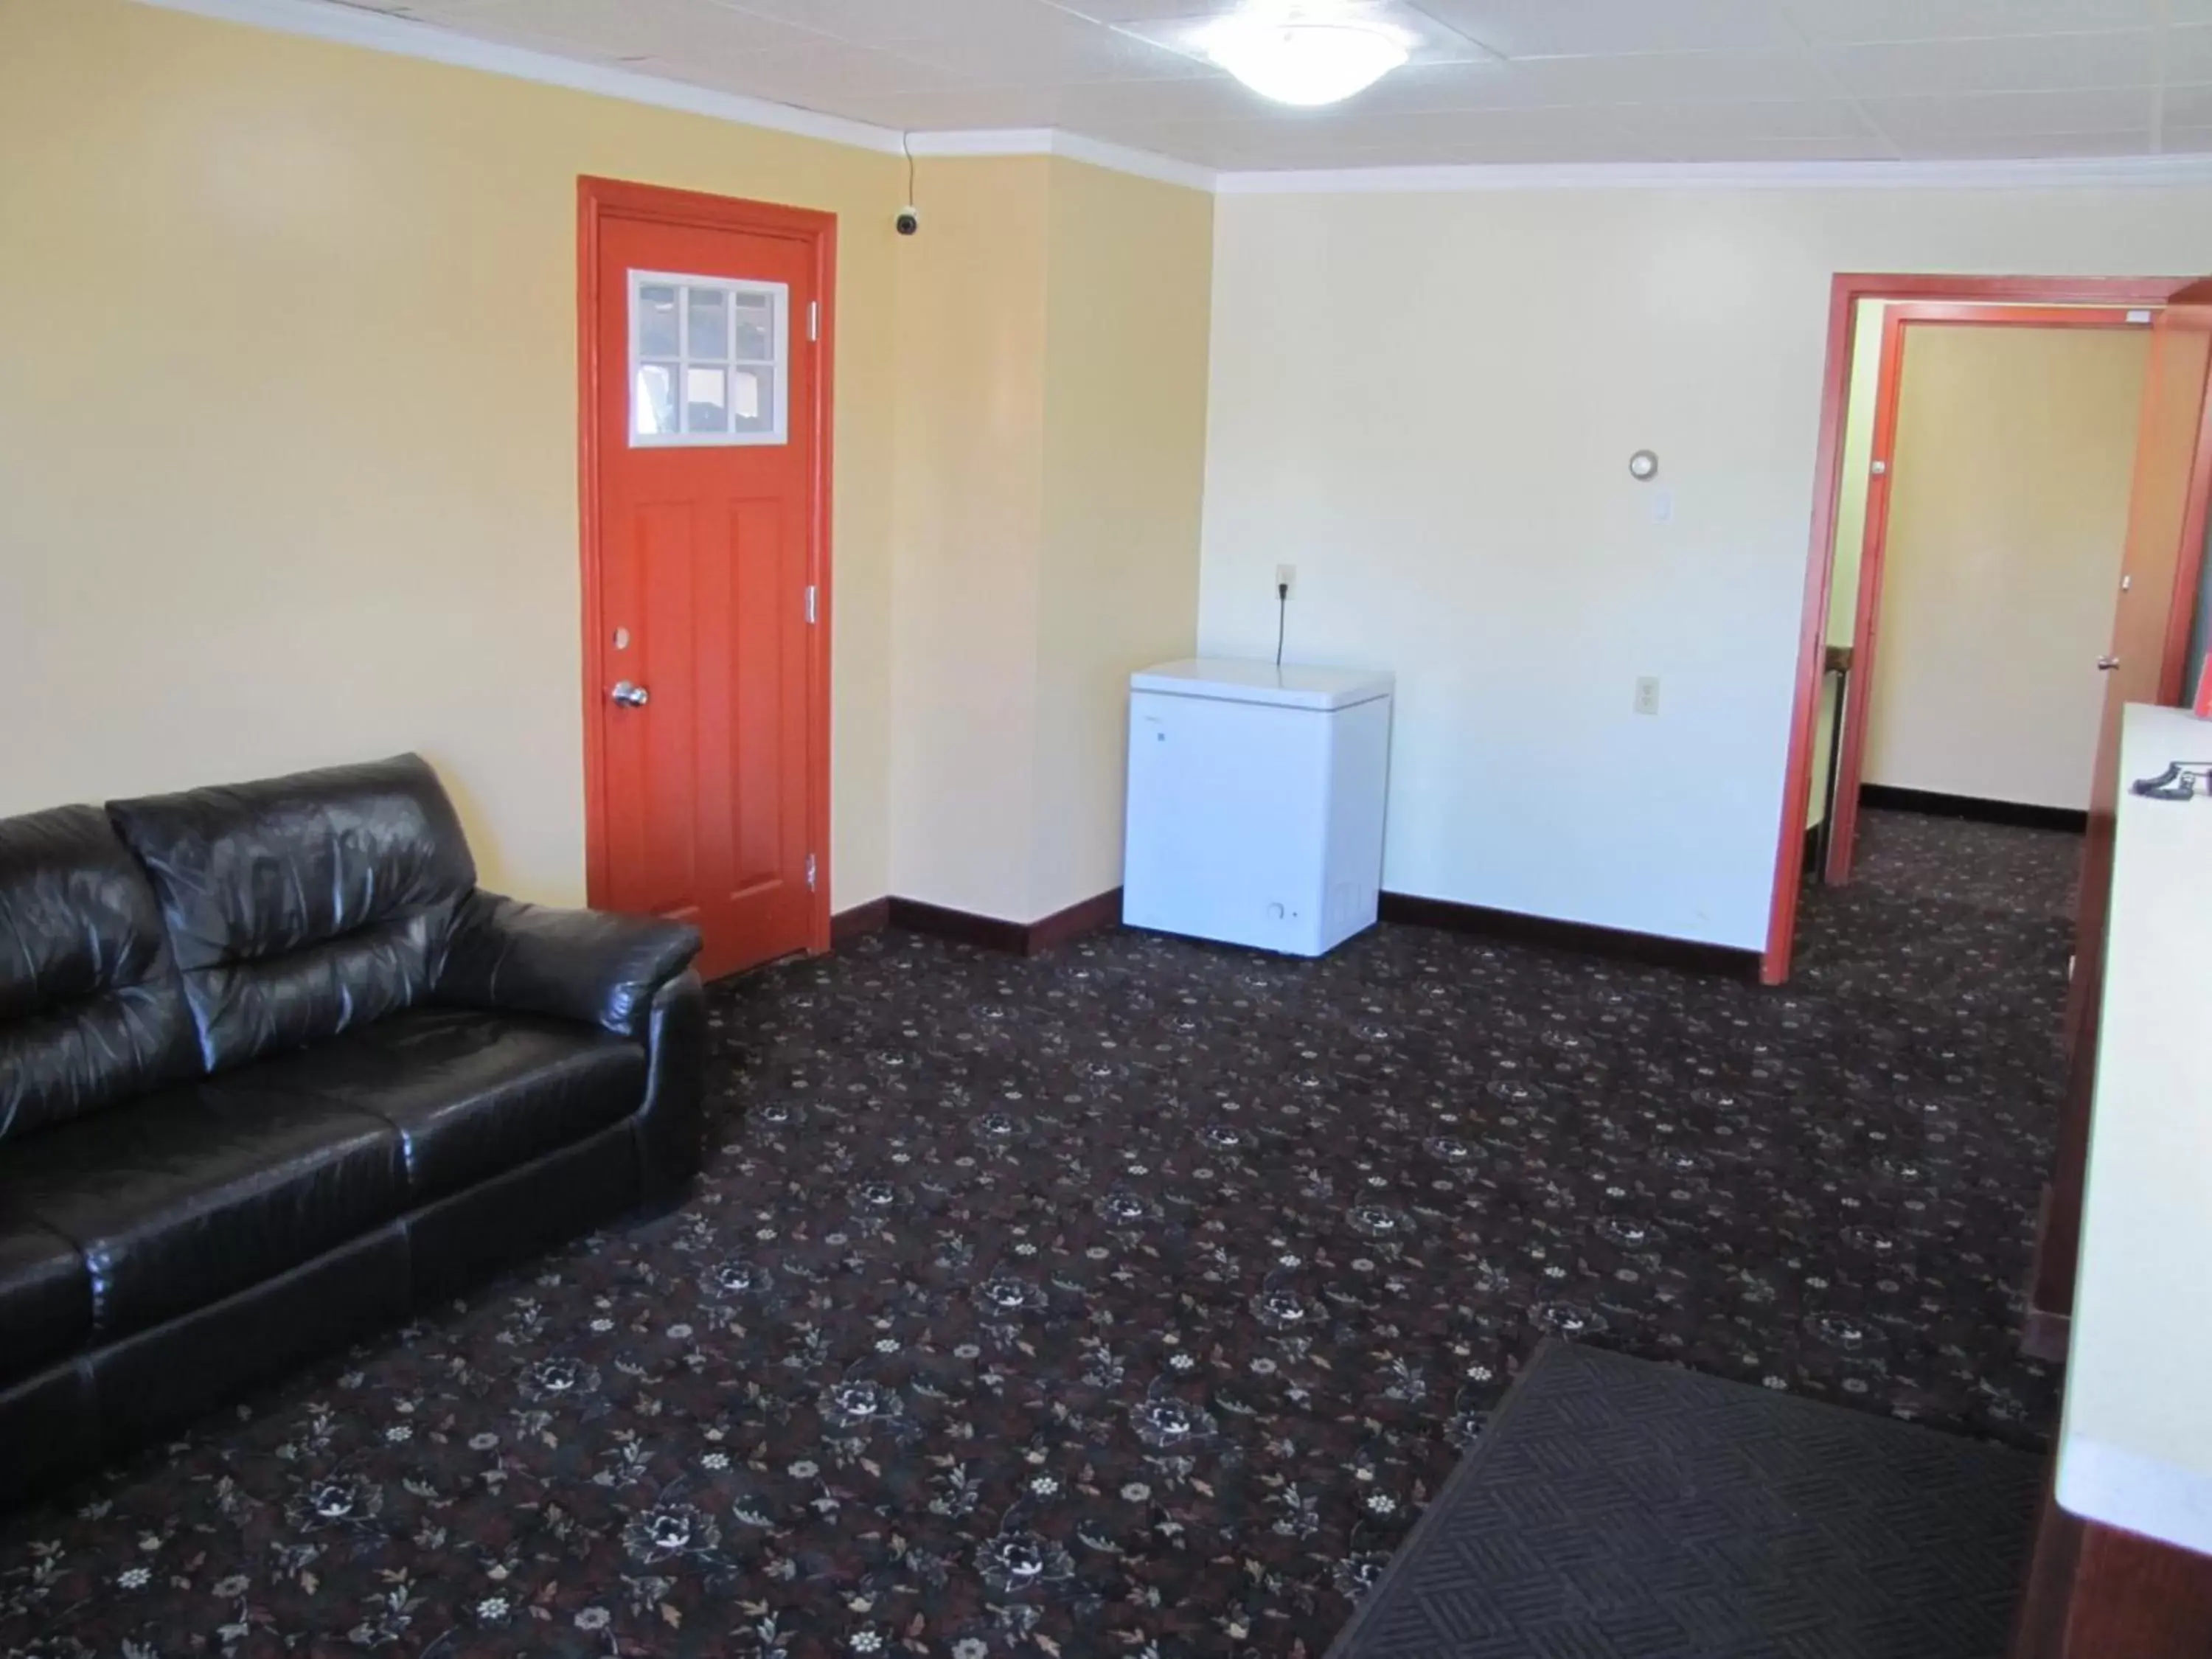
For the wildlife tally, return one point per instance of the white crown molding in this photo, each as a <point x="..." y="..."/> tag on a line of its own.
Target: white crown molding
<point x="353" y="26"/>
<point x="1073" y="146"/>
<point x="356" y="26"/>
<point x="2054" y="173"/>
<point x="376" y="31"/>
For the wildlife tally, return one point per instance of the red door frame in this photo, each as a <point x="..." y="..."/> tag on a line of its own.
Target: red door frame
<point x="599" y="200"/>
<point x="1866" y="627"/>
<point x="1845" y="293"/>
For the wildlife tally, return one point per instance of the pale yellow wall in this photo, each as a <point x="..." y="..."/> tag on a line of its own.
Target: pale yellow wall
<point x="1125" y="478"/>
<point x="2008" y="509"/>
<point x="1427" y="402"/>
<point x="1052" y="423"/>
<point x="287" y="419"/>
<point x="968" y="508"/>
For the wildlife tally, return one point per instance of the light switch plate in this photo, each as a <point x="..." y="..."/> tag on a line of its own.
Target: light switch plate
<point x="1647" y="695"/>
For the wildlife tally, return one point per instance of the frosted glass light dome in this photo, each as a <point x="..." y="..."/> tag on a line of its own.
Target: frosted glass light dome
<point x="1308" y="64"/>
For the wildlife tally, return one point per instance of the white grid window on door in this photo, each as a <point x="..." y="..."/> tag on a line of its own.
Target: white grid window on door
<point x="709" y="360"/>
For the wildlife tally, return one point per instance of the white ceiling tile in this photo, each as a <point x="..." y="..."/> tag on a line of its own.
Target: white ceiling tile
<point x="1586" y="80"/>
<point x="1807" y="120"/>
<point x="2011" y="114"/>
<point x="1690" y="147"/>
<point x="1844" y="21"/>
<point x="2002" y="147"/>
<point x="637" y="28"/>
<point x="2187" y="58"/>
<point x="1144" y="11"/>
<point x="2030" y="63"/>
<point x="1666" y="77"/>
<point x="1533" y="28"/>
<point x="1050" y="46"/>
<point x="2187" y="106"/>
<point x="833" y="77"/>
<point x="2188" y="141"/>
<point x="890" y="22"/>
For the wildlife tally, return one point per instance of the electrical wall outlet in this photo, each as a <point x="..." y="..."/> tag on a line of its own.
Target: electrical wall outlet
<point x="1286" y="579"/>
<point x="1647" y="695"/>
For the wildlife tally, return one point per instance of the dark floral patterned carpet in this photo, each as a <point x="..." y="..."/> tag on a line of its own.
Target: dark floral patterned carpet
<point x="1132" y="1300"/>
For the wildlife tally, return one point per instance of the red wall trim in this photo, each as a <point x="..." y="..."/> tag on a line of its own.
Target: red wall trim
<point x="1845" y="292"/>
<point x="597" y="201"/>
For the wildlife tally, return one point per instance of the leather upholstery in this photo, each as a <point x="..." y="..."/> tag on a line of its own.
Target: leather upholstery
<point x="155" y="1381"/>
<point x="671" y="1127"/>
<point x="193" y="1193"/>
<point x="90" y="1008"/>
<point x="303" y="906"/>
<point x="573" y="965"/>
<point x="456" y="1240"/>
<point x="45" y="1296"/>
<point x="469" y="1093"/>
<point x="272" y="1071"/>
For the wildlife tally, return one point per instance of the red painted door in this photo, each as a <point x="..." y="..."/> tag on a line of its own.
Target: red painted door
<point x="704" y="489"/>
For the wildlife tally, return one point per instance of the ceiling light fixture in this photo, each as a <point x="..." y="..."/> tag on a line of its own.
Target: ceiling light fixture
<point x="1304" y="61"/>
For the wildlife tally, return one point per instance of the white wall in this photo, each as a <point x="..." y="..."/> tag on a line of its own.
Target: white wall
<point x="2000" y="566"/>
<point x="1427" y="402"/>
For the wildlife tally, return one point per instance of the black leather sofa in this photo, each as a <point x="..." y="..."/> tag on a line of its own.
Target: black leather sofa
<point x="273" y="1070"/>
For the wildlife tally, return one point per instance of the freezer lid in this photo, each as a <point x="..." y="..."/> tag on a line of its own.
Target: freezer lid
<point x="1229" y="679"/>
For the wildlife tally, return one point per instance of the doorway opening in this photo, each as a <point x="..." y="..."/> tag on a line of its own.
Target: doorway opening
<point x="1977" y="598"/>
<point x="1826" y="670"/>
<point x="704" y="356"/>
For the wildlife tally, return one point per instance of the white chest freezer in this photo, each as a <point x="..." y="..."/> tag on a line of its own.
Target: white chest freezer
<point x="1255" y="802"/>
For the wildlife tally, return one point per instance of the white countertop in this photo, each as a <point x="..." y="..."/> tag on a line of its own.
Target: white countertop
<point x="2136" y="1447"/>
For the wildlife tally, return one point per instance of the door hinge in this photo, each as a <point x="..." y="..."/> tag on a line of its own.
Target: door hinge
<point x="813" y="608"/>
<point x="814" y="320"/>
<point x="810" y="873"/>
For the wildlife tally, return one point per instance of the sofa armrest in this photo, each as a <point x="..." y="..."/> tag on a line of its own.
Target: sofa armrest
<point x="593" y="966"/>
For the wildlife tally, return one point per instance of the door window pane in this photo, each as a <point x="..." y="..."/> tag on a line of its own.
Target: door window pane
<point x="654" y="400"/>
<point x="752" y="398"/>
<point x="706" y="400"/>
<point x="685" y="333"/>
<point x="710" y="323"/>
<point x="755" y="319"/>
<point x="656" y="323"/>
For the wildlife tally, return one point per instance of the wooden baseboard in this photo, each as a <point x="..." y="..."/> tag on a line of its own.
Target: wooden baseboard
<point x="1020" y="939"/>
<point x="1972" y="807"/>
<point x="2047" y="1327"/>
<point x="1089" y="915"/>
<point x="1686" y="954"/>
<point x="870" y="918"/>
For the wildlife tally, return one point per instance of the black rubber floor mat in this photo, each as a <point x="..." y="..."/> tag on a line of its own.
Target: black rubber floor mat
<point x="1616" y="1508"/>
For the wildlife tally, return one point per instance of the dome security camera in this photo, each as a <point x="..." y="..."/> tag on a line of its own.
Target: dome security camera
<point x="909" y="221"/>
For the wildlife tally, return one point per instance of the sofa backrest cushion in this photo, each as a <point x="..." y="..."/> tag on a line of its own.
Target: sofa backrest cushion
<point x="301" y="907"/>
<point x="91" y="1009"/>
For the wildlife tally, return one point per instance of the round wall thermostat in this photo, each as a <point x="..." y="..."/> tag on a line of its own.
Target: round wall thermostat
<point x="1643" y="465"/>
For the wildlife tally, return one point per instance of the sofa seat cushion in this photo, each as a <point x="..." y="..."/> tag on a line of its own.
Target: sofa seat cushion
<point x="191" y="1193"/>
<point x="471" y="1094"/>
<point x="45" y="1298"/>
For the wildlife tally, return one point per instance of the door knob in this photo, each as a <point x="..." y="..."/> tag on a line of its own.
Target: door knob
<point x="2106" y="665"/>
<point x="630" y="697"/>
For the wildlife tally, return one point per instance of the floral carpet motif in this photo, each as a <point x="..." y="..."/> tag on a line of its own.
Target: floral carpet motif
<point x="1132" y="1300"/>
